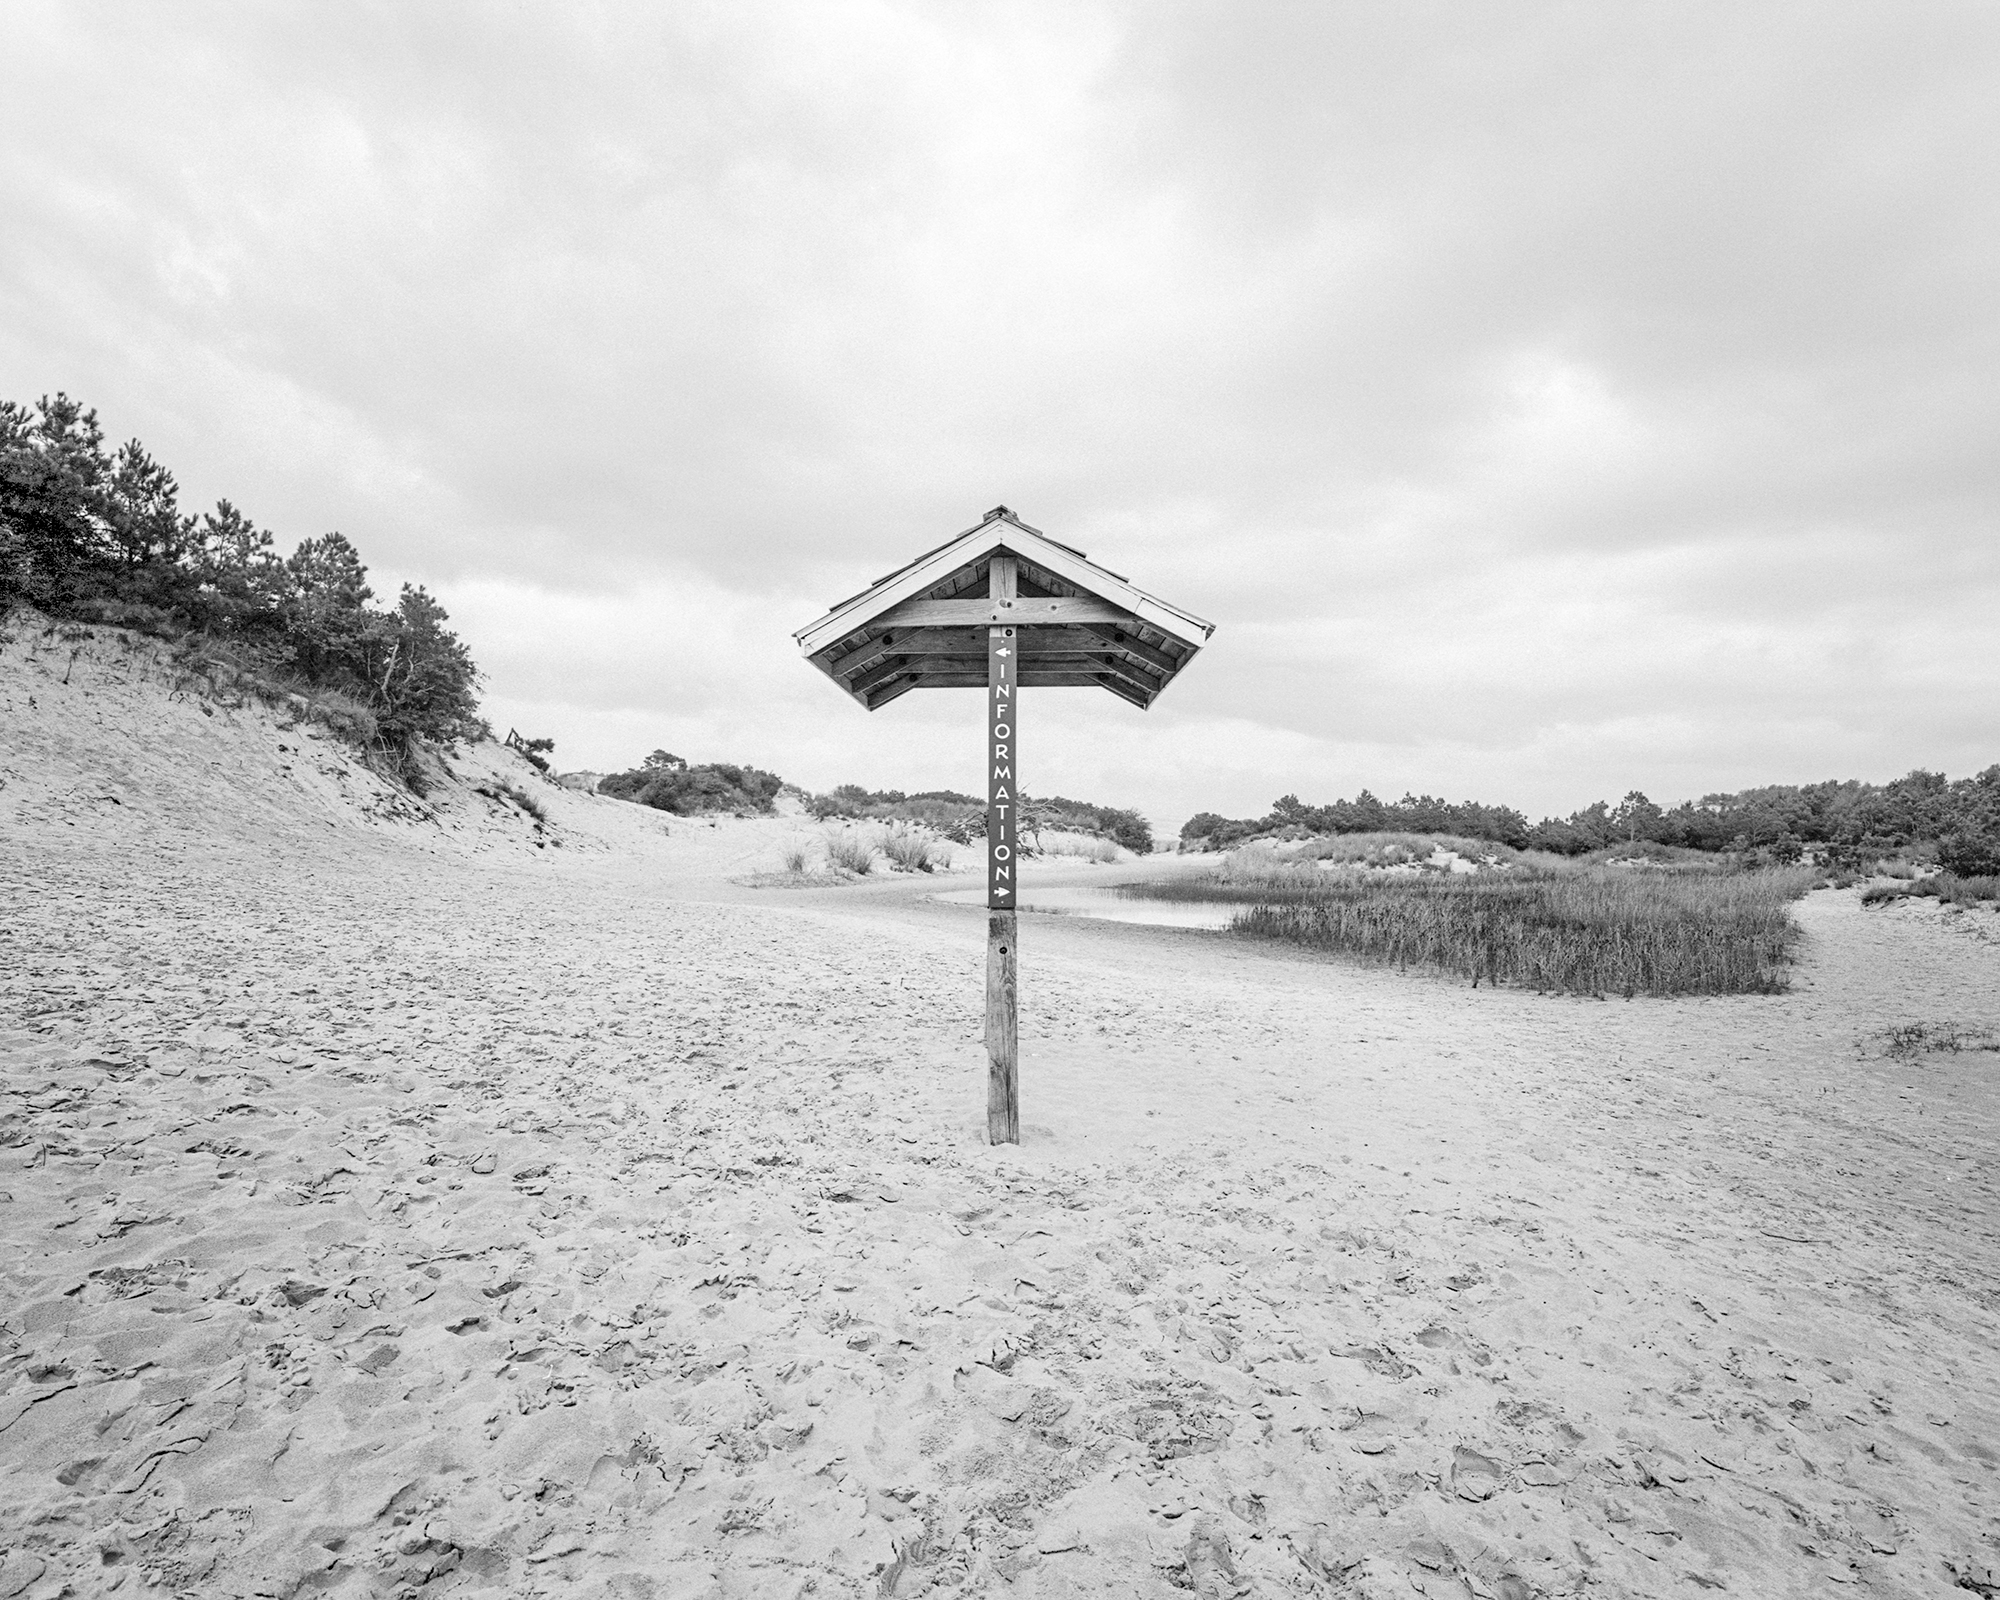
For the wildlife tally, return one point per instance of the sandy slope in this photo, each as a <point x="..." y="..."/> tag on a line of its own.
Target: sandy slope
<point x="396" y="1206"/>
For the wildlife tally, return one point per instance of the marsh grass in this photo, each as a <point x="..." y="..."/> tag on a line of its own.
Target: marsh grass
<point x="1571" y="930"/>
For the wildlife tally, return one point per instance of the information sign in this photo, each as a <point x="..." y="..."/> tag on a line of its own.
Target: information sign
<point x="1003" y="710"/>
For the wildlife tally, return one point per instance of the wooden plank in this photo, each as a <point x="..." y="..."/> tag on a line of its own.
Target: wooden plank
<point x="1124" y="672"/>
<point x="960" y="671"/>
<point x="1003" y="1082"/>
<point x="889" y="667"/>
<point x="914" y="642"/>
<point x="1137" y="649"/>
<point x="1034" y="641"/>
<point x="875" y="699"/>
<point x="957" y="670"/>
<point x="869" y="653"/>
<point x="1066" y="680"/>
<point x="967" y="642"/>
<point x="973" y="613"/>
<point x="1085" y="675"/>
<point x="1081" y="676"/>
<point x="1125" y="691"/>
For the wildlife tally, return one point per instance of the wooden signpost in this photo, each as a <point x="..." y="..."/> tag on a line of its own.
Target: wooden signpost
<point x="1003" y="607"/>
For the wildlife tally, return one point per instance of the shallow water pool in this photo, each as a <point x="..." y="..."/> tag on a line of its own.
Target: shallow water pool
<point x="1085" y="901"/>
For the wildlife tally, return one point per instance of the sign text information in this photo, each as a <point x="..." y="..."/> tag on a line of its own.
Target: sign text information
<point x="1002" y="814"/>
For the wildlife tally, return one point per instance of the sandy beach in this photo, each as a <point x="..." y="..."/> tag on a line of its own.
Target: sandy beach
<point x="401" y="1198"/>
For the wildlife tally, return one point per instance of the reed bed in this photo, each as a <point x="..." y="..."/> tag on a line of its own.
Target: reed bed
<point x="1589" y="931"/>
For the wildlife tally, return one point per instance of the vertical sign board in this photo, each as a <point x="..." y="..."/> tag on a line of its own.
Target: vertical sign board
<point x="1002" y="658"/>
<point x="1003" y="1097"/>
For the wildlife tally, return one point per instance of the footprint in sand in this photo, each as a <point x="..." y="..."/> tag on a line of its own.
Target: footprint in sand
<point x="1475" y="1476"/>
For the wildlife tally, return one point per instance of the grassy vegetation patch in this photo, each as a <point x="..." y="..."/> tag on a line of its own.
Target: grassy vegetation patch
<point x="520" y="797"/>
<point x="1946" y="887"/>
<point x="1573" y="930"/>
<point x="850" y="850"/>
<point x="1912" y="1039"/>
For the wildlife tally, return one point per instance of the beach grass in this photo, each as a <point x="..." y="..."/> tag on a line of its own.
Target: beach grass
<point x="1571" y="930"/>
<point x="850" y="850"/>
<point x="915" y="851"/>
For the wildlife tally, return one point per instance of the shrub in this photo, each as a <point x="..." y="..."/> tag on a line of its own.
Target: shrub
<point x="1970" y="853"/>
<point x="535" y="751"/>
<point x="1122" y="827"/>
<point x="667" y="783"/>
<point x="796" y="858"/>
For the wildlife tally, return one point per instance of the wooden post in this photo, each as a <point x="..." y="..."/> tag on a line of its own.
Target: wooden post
<point x="1003" y="1089"/>
<point x="1003" y="1084"/>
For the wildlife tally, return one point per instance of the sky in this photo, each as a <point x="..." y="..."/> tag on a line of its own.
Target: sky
<point x="1543" y="401"/>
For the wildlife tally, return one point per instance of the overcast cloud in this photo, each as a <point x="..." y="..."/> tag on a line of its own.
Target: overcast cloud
<point x="1543" y="400"/>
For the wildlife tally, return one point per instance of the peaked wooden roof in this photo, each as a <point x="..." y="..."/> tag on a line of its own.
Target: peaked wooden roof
<point x="924" y="626"/>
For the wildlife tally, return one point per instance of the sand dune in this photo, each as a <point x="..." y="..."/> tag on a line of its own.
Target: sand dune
<point x="402" y="1199"/>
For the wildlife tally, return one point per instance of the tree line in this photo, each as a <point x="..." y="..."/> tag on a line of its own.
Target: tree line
<point x="1958" y="818"/>
<point x="99" y="535"/>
